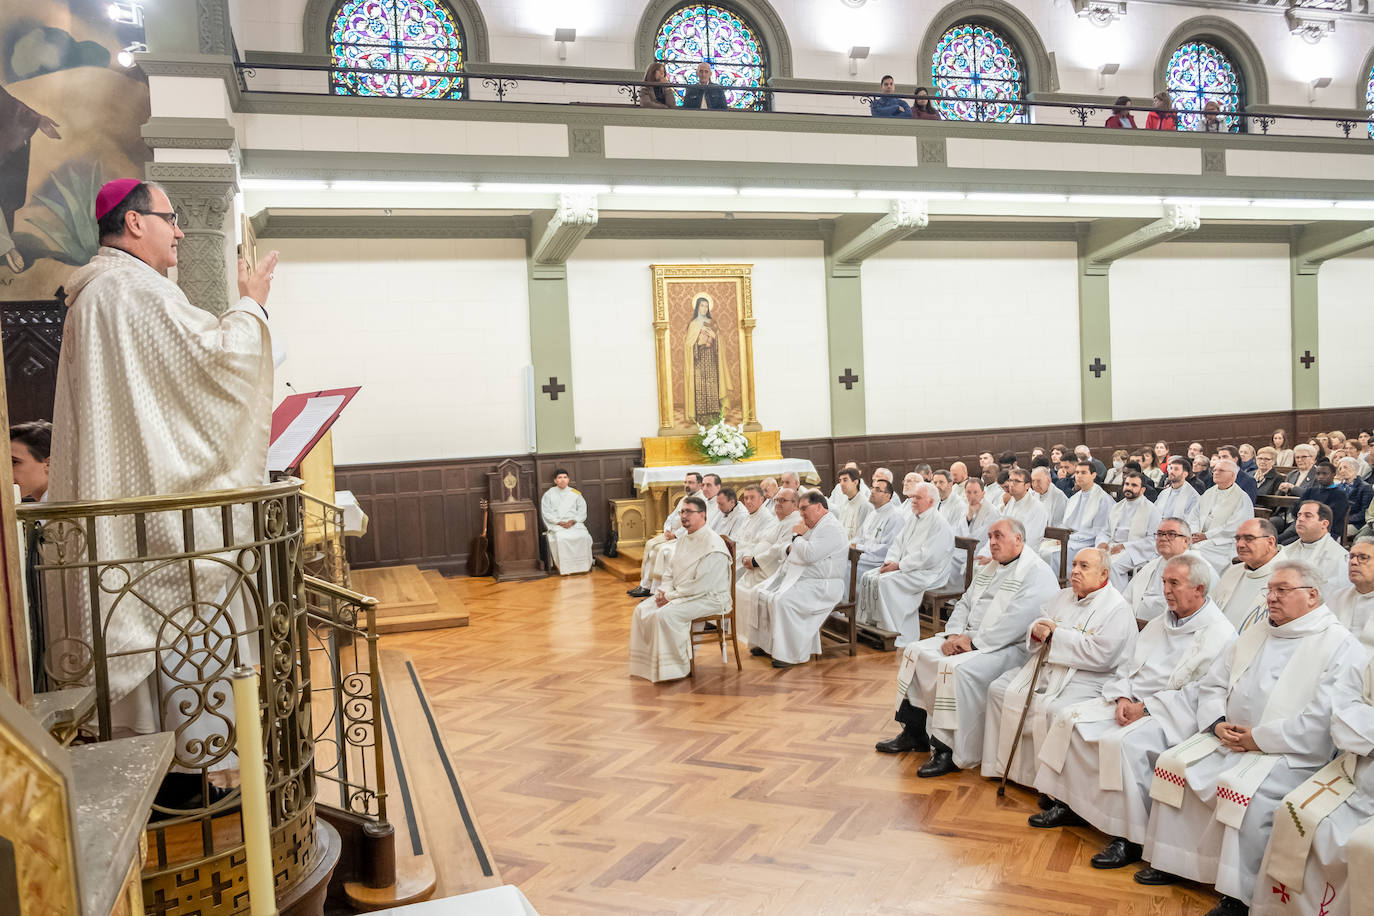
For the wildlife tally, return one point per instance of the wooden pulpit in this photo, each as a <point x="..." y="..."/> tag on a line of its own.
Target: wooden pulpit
<point x="514" y="523"/>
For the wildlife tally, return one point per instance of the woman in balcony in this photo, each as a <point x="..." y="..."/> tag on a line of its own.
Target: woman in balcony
<point x="1211" y="117"/>
<point x="1163" y="116"/>
<point x="1121" y="114"/>
<point x="924" y="110"/>
<point x="653" y="93"/>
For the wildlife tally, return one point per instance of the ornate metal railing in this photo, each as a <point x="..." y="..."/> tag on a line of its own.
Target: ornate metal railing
<point x="324" y="554"/>
<point x="154" y="602"/>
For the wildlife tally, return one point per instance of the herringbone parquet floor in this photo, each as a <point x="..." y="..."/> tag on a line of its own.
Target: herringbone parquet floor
<point x="739" y="793"/>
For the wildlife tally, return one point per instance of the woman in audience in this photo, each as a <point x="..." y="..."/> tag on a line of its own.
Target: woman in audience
<point x="1163" y="116"/>
<point x="1247" y="457"/>
<point x="1284" y="455"/>
<point x="1121" y="114"/>
<point x="1161" y="455"/>
<point x="1118" y="462"/>
<point x="1149" y="467"/>
<point x="1338" y="440"/>
<point x="1057" y="453"/>
<point x="653" y="94"/>
<point x="924" y="110"/>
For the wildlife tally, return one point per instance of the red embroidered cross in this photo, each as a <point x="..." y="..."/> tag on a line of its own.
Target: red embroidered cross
<point x="1282" y="891"/>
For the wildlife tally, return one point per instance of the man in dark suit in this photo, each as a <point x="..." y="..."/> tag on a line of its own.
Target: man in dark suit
<point x="1304" y="457"/>
<point x="1359" y="493"/>
<point x="1266" y="479"/>
<point x="714" y="95"/>
<point x="1322" y="488"/>
<point x="1099" y="469"/>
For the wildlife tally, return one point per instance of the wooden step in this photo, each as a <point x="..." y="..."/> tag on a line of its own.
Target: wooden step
<point x="877" y="637"/>
<point x="411" y="599"/>
<point x="624" y="567"/>
<point x="431" y="795"/>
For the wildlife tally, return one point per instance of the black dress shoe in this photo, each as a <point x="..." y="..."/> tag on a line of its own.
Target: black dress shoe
<point x="1156" y="877"/>
<point x="940" y="763"/>
<point x="1046" y="802"/>
<point x="1229" y="906"/>
<point x="1056" y="815"/>
<point x="757" y="652"/>
<point x="778" y="664"/>
<point x="639" y="591"/>
<point x="1119" y="853"/>
<point x="909" y="740"/>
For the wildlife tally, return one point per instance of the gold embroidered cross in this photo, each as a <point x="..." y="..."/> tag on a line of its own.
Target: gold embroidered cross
<point x="1325" y="787"/>
<point x="944" y="674"/>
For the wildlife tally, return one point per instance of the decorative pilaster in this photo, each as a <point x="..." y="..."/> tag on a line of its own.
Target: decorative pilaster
<point x="202" y="194"/>
<point x="1312" y="246"/>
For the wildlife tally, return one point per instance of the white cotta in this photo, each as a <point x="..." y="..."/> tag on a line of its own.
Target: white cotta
<point x="1130" y="539"/>
<point x="156" y="396"/>
<point x="696" y="585"/>
<point x="790" y="608"/>
<point x="1240" y="593"/>
<point x="1355" y="612"/>
<point x="1327" y="555"/>
<point x="892" y="600"/>
<point x="1220" y="513"/>
<point x="570" y="549"/>
<point x="979" y="524"/>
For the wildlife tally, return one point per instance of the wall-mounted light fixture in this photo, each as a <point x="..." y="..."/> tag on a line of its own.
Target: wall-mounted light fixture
<point x="1104" y="71"/>
<point x="856" y="54"/>
<point x="564" y="37"/>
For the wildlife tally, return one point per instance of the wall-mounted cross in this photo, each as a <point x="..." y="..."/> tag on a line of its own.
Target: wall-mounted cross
<point x="553" y="389"/>
<point x="1307" y="359"/>
<point x="1098" y="367"/>
<point x="848" y="379"/>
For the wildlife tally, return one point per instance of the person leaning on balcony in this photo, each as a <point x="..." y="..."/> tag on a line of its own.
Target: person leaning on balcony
<point x="925" y="110"/>
<point x="1211" y="121"/>
<point x="1162" y="116"/>
<point x="1121" y="114"/>
<point x="714" y="95"/>
<point x="653" y="93"/>
<point x="888" y="105"/>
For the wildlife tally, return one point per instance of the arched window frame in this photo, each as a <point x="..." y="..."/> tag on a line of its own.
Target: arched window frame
<point x="1232" y="41"/>
<point x="1189" y="112"/>
<point x="997" y="109"/>
<point x="446" y="88"/>
<point x="1364" y="92"/>
<point x="1038" y="72"/>
<point x="318" y="20"/>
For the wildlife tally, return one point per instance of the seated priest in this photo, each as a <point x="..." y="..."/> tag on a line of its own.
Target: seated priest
<point x="1145" y="594"/>
<point x="1316" y="546"/>
<point x="1087" y="516"/>
<point x="770" y="488"/>
<point x="836" y="492"/>
<point x="761" y="559"/>
<point x="1264" y="726"/>
<point x="790" y="609"/>
<point x="951" y="500"/>
<point x="1130" y="539"/>
<point x="942" y="682"/>
<point x="672" y="527"/>
<point x="565" y="523"/>
<point x="851" y="507"/>
<point x="1221" y="510"/>
<point x="710" y="492"/>
<point x="1176" y="497"/>
<point x="1353" y="603"/>
<point x="1023" y="506"/>
<point x="1240" y="588"/>
<point x="1098" y="758"/>
<point x="1051" y="497"/>
<point x="697" y="584"/>
<point x="757" y="530"/>
<point x="881" y="528"/>
<point x="731" y="514"/>
<point x="918" y="560"/>
<point x="979" y="517"/>
<point x="991" y="488"/>
<point x="1320" y="858"/>
<point x="1086" y="632"/>
<point x="791" y="481"/>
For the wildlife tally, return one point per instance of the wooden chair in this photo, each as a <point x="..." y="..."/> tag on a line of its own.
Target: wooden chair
<point x="845" y="614"/>
<point x="1113" y="490"/>
<point x="1263" y="512"/>
<point x="934" y="602"/>
<point x="724" y="623"/>
<point x="1062" y="536"/>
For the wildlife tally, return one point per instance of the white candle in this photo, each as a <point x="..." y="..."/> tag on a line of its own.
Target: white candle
<point x="262" y="897"/>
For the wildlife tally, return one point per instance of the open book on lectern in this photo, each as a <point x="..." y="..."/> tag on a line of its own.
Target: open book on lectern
<point x="300" y="421"/>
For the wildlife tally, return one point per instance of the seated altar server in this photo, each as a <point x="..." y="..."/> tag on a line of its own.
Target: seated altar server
<point x="851" y="507"/>
<point x="1098" y="758"/>
<point x="942" y="682"/>
<point x="565" y="522"/>
<point x="1130" y="539"/>
<point x="1087" y="516"/>
<point x="1315" y="545"/>
<point x="763" y="558"/>
<point x="1087" y="631"/>
<point x="890" y="596"/>
<point x="1264" y="719"/>
<point x="1145" y="594"/>
<point x="698" y="584"/>
<point x="791" y="607"/>
<point x="1353" y="604"/>
<point x="881" y="528"/>
<point x="672" y="527"/>
<point x="731" y="514"/>
<point x="1240" y="587"/>
<point x="1221" y="510"/>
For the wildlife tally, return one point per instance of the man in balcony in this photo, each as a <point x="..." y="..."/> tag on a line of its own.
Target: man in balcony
<point x="889" y="105"/>
<point x="704" y="88"/>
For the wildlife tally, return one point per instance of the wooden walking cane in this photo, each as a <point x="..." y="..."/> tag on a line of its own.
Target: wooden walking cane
<point x="1021" y="726"/>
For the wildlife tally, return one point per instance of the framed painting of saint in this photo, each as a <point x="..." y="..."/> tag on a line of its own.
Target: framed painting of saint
<point x="704" y="346"/>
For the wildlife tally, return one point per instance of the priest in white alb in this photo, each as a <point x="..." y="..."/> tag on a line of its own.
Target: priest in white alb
<point x="918" y="560"/>
<point x="1240" y="587"/>
<point x="1130" y="539"/>
<point x="1087" y="631"/>
<point x="1176" y="497"/>
<point x="793" y="604"/>
<point x="1264" y="726"/>
<point x="951" y="500"/>
<point x="942" y="681"/>
<point x="697" y="584"/>
<point x="838" y="490"/>
<point x="1145" y="594"/>
<point x="663" y="557"/>
<point x="155" y="396"/>
<point x="1316" y="546"/>
<point x="1051" y="497"/>
<point x="852" y="505"/>
<point x="1221" y="510"/>
<point x="1097" y="760"/>
<point x="880" y="528"/>
<point x="1025" y="508"/>
<point x="759" y="527"/>
<point x="1353" y="603"/>
<point x="762" y="559"/>
<point x="730" y="515"/>
<point x="979" y="517"/>
<point x="651" y="563"/>
<point x="565" y="526"/>
<point x="1087" y="516"/>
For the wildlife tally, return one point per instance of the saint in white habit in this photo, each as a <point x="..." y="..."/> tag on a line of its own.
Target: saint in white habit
<point x="1240" y="587"/>
<point x="651" y="563"/>
<point x="1320" y="857"/>
<point x="1221" y="510"/>
<point x="1316" y="546"/>
<point x="942" y="682"/>
<point x="1353" y="603"/>
<point x="791" y="607"/>
<point x="1264" y="726"/>
<point x="881" y="528"/>
<point x="1087" y="516"/>
<point x="565" y="522"/>
<point x="698" y="584"/>
<point x="759" y="526"/>
<point x="1176" y="497"/>
<point x="155" y="396"/>
<point x="1098" y="759"/>
<point x="1025" y="508"/>
<point x="1130" y="539"/>
<point x="852" y="505"/>
<point x="730" y="514"/>
<point x="1145" y="594"/>
<point x="764" y="558"/>
<point x="918" y="560"/>
<point x="1050" y="496"/>
<point x="1087" y="631"/>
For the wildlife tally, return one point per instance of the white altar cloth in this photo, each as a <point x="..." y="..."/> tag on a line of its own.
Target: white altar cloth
<point x="729" y="471"/>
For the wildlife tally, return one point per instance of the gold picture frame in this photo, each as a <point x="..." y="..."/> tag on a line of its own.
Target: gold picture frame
<point x="727" y="290"/>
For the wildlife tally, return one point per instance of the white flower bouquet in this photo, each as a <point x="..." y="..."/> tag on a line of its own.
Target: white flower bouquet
<point x="722" y="442"/>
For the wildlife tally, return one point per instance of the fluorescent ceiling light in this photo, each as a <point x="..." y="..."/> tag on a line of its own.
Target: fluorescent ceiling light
<point x="283" y="184"/>
<point x="912" y="195"/>
<point x="673" y="191"/>
<point x="1119" y="199"/>
<point x="1021" y="198"/>
<point x="403" y="187"/>
<point x="1291" y="203"/>
<point x="517" y="188"/>
<point x="1210" y="201"/>
<point x="832" y="193"/>
<point x="1355" y="204"/>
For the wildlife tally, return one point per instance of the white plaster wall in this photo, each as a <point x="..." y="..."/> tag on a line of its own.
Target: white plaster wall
<point x="1345" y="329"/>
<point x="960" y="336"/>
<point x="1200" y="329"/>
<point x="436" y="331"/>
<point x="610" y="302"/>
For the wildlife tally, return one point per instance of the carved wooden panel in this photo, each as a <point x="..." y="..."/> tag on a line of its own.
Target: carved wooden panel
<point x="34" y="818"/>
<point x="32" y="335"/>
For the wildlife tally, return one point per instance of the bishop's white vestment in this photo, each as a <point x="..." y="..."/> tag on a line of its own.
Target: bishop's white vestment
<point x="791" y="607"/>
<point x="570" y="549"/>
<point x="892" y="600"/>
<point x="1220" y="513"/>
<point x="699" y="584"/>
